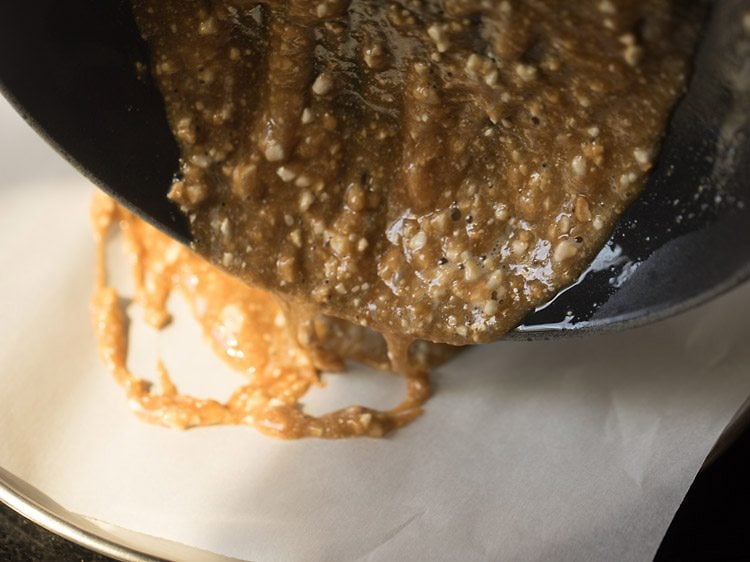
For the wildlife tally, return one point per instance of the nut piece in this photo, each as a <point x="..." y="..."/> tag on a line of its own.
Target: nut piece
<point x="323" y="84"/>
<point x="564" y="251"/>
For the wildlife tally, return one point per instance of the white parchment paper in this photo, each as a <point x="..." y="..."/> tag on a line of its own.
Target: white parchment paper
<point x="569" y="450"/>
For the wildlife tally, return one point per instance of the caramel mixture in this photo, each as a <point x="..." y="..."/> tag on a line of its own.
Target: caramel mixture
<point x="428" y="169"/>
<point x="431" y="169"/>
<point x="249" y="330"/>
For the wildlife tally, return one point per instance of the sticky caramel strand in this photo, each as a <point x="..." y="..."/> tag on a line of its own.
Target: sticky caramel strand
<point x="249" y="329"/>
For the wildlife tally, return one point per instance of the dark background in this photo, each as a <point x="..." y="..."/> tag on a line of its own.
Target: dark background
<point x="712" y="523"/>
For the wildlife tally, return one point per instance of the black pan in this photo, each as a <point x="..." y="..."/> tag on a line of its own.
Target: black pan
<point x="69" y="68"/>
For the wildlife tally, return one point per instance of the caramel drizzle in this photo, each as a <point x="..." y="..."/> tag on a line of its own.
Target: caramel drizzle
<point x="280" y="366"/>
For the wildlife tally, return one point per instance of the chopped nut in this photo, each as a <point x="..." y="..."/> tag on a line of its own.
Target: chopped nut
<point x="519" y="247"/>
<point x="306" y="199"/>
<point x="579" y="166"/>
<point x="643" y="158"/>
<point x="438" y="35"/>
<point x="564" y="251"/>
<point x="582" y="209"/>
<point x="526" y="72"/>
<point x="490" y="308"/>
<point x="274" y="152"/>
<point x="418" y="241"/>
<point x="285" y="173"/>
<point x="323" y="84"/>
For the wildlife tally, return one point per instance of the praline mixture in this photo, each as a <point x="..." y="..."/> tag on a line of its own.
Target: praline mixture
<point x="249" y="329"/>
<point x="432" y="170"/>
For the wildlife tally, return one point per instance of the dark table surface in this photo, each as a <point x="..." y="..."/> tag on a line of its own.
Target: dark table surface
<point x="712" y="523"/>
